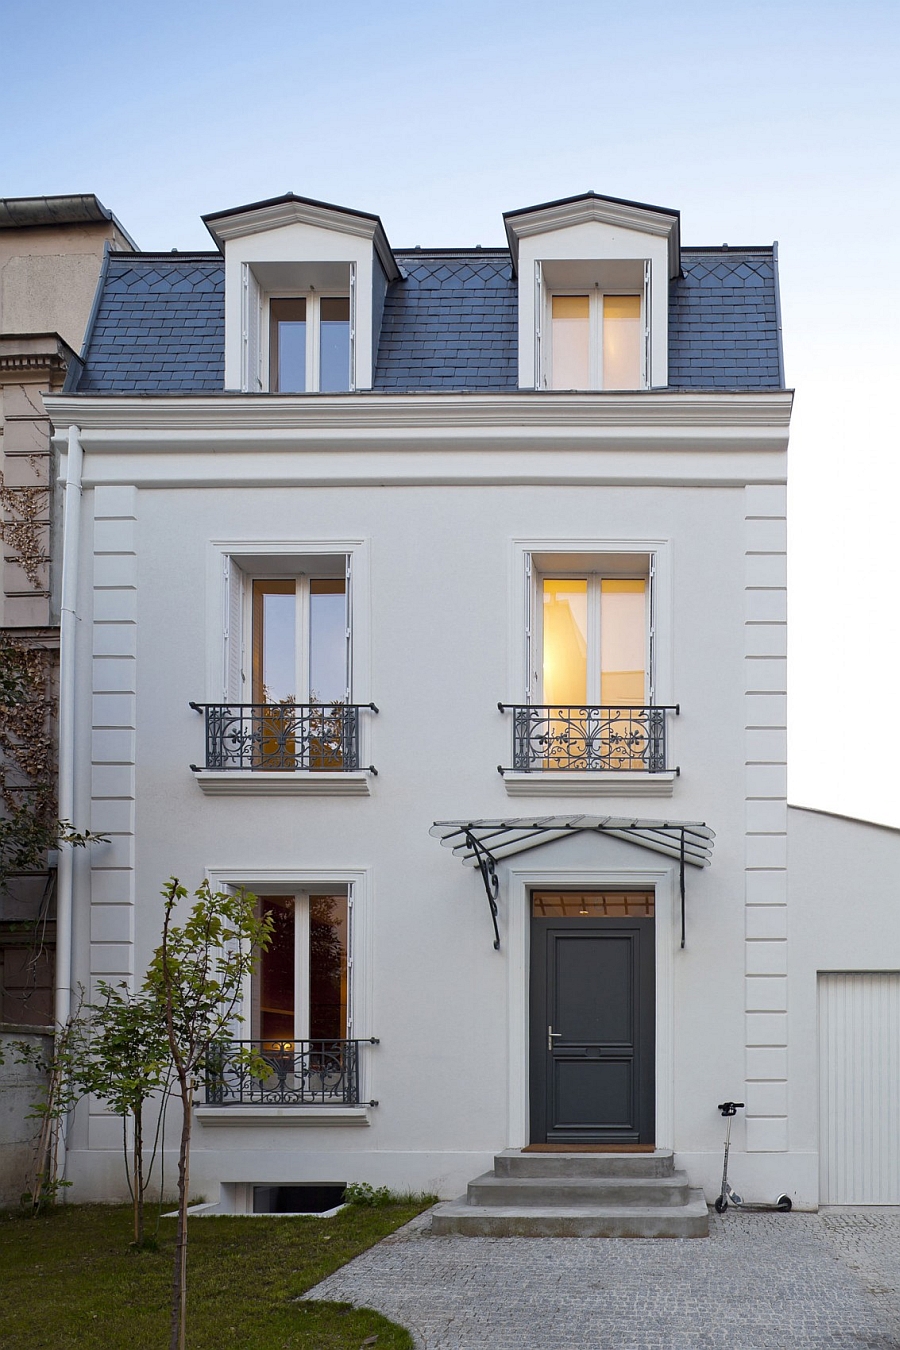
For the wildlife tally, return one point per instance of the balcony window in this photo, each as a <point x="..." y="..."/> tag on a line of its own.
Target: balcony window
<point x="594" y="640"/>
<point x="300" y="1014"/>
<point x="287" y="670"/>
<point x="589" y="660"/>
<point x="301" y="989"/>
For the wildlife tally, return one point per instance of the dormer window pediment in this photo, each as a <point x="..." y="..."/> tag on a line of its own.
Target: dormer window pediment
<point x="304" y="291"/>
<point x="593" y="277"/>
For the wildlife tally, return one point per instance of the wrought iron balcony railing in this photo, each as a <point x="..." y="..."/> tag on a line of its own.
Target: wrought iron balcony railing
<point x="283" y="736"/>
<point x="588" y="739"/>
<point x="294" y="1073"/>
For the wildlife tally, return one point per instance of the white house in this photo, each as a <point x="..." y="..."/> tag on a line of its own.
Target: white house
<point x="348" y="528"/>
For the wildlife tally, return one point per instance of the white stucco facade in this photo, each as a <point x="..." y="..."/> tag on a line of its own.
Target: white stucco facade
<point x="437" y="499"/>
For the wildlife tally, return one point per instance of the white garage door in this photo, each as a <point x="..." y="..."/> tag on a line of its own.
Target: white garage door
<point x="859" y="1088"/>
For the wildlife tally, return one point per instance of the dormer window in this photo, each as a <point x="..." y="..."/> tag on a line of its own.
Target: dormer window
<point x="305" y="285"/>
<point x="309" y="344"/>
<point x="593" y="280"/>
<point x="596" y="341"/>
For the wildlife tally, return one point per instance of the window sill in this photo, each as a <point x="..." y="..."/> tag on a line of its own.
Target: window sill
<point x="316" y="1116"/>
<point x="544" y="783"/>
<point x="291" y="783"/>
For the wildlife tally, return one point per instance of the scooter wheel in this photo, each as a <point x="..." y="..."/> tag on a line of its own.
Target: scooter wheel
<point x="720" y="1205"/>
<point x="784" y="1203"/>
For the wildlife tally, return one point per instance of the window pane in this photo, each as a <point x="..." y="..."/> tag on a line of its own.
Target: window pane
<point x="287" y="339"/>
<point x="621" y="342"/>
<point x="327" y="967"/>
<point x="334" y="339"/>
<point x="327" y="640"/>
<point x="274" y="641"/>
<point x="276" y="971"/>
<point x="623" y="641"/>
<point x="570" y="341"/>
<point x="565" y="640"/>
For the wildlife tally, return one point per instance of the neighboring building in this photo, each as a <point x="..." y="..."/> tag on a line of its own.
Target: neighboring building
<point x="51" y="254"/>
<point x="339" y="502"/>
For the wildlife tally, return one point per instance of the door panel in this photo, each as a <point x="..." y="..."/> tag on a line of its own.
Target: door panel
<point x="592" y="1029"/>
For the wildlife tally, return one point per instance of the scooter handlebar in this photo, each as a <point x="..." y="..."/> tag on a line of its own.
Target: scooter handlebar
<point x="730" y="1108"/>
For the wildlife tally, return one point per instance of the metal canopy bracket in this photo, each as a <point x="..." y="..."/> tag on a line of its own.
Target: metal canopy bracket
<point x="487" y="867"/>
<point x="483" y="843"/>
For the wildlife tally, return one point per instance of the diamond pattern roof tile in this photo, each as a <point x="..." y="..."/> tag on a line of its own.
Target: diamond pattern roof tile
<point x="450" y="323"/>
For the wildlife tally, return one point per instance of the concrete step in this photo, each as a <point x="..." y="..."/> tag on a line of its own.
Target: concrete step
<point x="513" y="1162"/>
<point x="456" y="1217"/>
<point x="562" y="1191"/>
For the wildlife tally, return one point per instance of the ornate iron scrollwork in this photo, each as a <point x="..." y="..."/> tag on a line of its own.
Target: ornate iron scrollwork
<point x="588" y="739"/>
<point x="283" y="736"/>
<point x="488" y="869"/>
<point x="284" y="1073"/>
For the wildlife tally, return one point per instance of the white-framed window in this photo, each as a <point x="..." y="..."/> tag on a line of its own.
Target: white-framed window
<point x="589" y="629"/>
<point x="288" y="630"/>
<point x="320" y="973"/>
<point x="301" y="988"/>
<point x="596" y="340"/>
<point x="309" y="343"/>
<point x="592" y="324"/>
<point x="298" y="327"/>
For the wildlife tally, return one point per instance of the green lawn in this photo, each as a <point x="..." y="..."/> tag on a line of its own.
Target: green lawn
<point x="67" y="1279"/>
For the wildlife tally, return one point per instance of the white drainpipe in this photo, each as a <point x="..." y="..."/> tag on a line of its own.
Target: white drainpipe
<point x="68" y="626"/>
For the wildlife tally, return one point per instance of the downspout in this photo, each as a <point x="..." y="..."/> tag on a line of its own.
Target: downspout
<point x="68" y="625"/>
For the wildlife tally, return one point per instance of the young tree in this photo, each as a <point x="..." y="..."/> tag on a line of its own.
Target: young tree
<point x="125" y="1061"/>
<point x="196" y="977"/>
<point x="60" y="1066"/>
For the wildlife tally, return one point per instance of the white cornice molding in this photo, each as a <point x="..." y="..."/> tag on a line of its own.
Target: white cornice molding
<point x="274" y="217"/>
<point x="375" y="416"/>
<point x="563" y="215"/>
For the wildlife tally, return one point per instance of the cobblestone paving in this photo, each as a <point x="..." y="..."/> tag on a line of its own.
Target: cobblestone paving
<point x="759" y="1282"/>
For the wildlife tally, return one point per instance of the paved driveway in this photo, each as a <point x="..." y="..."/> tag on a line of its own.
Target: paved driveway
<point x="759" y="1282"/>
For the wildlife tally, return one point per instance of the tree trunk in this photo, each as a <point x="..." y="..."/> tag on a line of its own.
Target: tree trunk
<point x="138" y="1177"/>
<point x="179" y="1279"/>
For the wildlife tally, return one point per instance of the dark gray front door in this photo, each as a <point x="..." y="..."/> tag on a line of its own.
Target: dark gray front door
<point x="592" y="1030"/>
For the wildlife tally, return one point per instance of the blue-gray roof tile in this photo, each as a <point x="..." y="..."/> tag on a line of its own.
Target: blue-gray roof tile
<point x="449" y="323"/>
<point x="159" y="326"/>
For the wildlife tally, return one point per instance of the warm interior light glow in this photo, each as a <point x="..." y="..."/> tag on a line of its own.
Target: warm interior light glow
<point x="621" y="342"/>
<point x="565" y="618"/>
<point x="623" y="629"/>
<point x="570" y="341"/>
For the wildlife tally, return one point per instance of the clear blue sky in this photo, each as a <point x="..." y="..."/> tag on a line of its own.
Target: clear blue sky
<point x="758" y="121"/>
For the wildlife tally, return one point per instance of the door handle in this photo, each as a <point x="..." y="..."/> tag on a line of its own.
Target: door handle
<point x="551" y="1037"/>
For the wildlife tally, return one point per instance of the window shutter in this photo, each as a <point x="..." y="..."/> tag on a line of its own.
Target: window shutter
<point x="233" y="672"/>
<point x="651" y="646"/>
<point x="648" y="380"/>
<point x="250" y="315"/>
<point x="538" y="325"/>
<point x="352" y="384"/>
<point x="348" y="573"/>
<point x="529" y="642"/>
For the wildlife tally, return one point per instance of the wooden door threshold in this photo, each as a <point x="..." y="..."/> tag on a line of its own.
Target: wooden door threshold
<point x="589" y="1148"/>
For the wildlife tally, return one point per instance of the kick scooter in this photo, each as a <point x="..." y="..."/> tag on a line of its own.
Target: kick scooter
<point x="730" y="1196"/>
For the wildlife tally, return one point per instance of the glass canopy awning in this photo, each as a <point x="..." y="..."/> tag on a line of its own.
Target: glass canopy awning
<point x="483" y="843"/>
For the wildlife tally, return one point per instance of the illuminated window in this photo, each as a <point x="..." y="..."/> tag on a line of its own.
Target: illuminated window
<point x="594" y="640"/>
<point x="596" y="341"/>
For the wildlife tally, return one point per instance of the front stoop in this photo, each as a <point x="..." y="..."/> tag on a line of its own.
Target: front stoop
<point x="577" y="1195"/>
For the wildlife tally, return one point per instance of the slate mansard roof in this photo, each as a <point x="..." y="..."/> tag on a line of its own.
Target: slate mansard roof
<point x="449" y="323"/>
